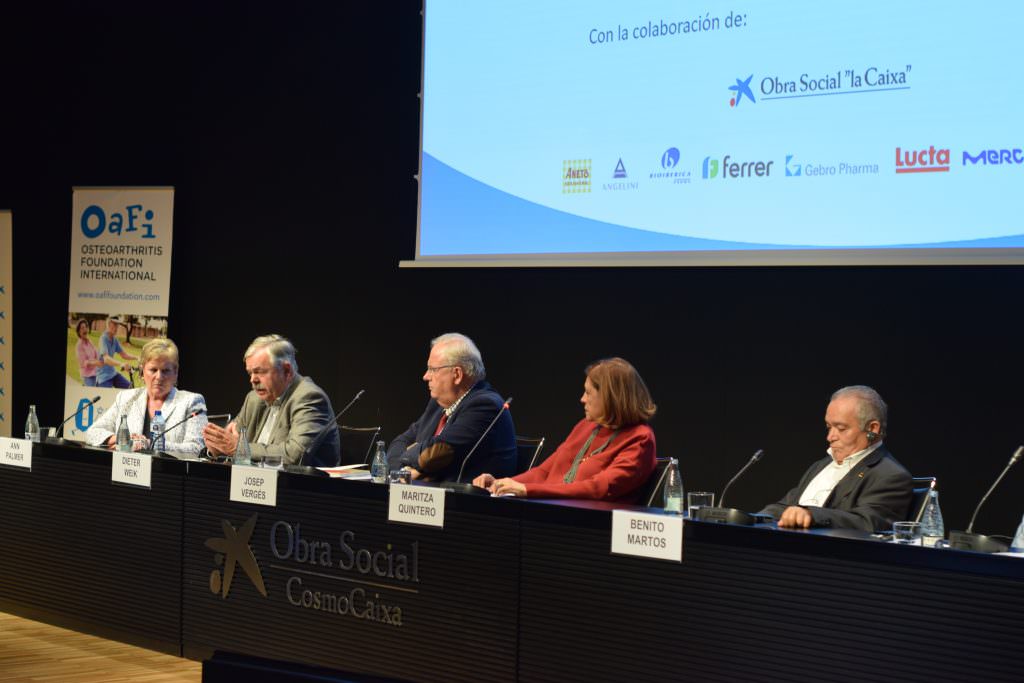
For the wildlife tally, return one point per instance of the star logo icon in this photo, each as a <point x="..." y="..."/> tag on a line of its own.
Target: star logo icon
<point x="233" y="551"/>
<point x="742" y="89"/>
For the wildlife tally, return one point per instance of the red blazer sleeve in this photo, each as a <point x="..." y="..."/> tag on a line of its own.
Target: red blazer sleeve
<point x="542" y="471"/>
<point x="606" y="476"/>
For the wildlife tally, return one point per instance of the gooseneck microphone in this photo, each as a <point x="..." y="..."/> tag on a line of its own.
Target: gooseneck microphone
<point x="60" y="428"/>
<point x="177" y="424"/>
<point x="327" y="427"/>
<point x="967" y="540"/>
<point x="1013" y="461"/>
<point x="730" y="515"/>
<point x="753" y="459"/>
<point x="504" y="407"/>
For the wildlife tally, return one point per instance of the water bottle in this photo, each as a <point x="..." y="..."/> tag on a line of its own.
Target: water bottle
<point x="932" y="528"/>
<point x="156" y="431"/>
<point x="673" y="488"/>
<point x="32" y="425"/>
<point x="243" y="453"/>
<point x="124" y="435"/>
<point x="379" y="465"/>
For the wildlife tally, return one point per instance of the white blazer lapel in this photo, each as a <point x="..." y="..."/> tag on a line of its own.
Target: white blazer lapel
<point x="136" y="409"/>
<point x="172" y="408"/>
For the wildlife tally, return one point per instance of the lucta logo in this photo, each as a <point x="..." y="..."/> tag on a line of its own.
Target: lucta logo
<point x="929" y="160"/>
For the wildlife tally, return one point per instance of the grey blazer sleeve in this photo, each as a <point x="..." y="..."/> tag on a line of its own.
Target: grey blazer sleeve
<point x="303" y="415"/>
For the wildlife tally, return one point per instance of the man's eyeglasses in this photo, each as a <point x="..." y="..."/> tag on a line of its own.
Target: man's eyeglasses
<point x="433" y="369"/>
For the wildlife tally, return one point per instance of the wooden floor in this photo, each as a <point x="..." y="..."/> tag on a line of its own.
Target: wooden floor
<point x="32" y="652"/>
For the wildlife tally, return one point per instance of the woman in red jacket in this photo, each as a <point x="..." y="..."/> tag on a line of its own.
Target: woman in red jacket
<point x="608" y="455"/>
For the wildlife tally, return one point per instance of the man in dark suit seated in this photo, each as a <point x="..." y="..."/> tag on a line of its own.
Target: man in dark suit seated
<point x="859" y="485"/>
<point x="461" y="406"/>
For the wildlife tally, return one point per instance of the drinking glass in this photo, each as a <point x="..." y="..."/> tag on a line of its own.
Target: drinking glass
<point x="906" y="533"/>
<point x="699" y="499"/>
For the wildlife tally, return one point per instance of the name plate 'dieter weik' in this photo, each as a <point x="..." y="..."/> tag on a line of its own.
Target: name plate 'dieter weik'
<point x="257" y="485"/>
<point x="416" y="505"/>
<point x="134" y="469"/>
<point x="16" y="452"/>
<point x="659" y="537"/>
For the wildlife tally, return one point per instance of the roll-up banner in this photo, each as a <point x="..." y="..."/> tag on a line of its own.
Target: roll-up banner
<point x="118" y="295"/>
<point x="6" y="324"/>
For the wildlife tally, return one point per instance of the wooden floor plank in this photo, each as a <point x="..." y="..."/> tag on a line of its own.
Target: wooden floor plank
<point x="34" y="652"/>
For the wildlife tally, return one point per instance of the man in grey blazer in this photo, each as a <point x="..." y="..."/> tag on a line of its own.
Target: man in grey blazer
<point x="284" y="412"/>
<point x="859" y="485"/>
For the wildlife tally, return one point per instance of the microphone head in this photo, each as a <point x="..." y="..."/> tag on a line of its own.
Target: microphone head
<point x="757" y="455"/>
<point x="360" y="394"/>
<point x="507" y="401"/>
<point x="1016" y="455"/>
<point x="95" y="399"/>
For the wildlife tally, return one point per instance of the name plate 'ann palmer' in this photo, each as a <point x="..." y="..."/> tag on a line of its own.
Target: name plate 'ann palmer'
<point x="16" y="452"/>
<point x="659" y="537"/>
<point x="255" y="485"/>
<point x="133" y="469"/>
<point x="416" y="505"/>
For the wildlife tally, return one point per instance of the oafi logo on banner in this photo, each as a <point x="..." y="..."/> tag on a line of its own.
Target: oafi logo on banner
<point x="118" y="293"/>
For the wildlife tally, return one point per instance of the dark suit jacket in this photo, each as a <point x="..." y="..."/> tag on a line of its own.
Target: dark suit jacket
<point x="440" y="457"/>
<point x="873" y="495"/>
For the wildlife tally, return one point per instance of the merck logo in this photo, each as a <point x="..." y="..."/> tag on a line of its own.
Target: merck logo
<point x="929" y="160"/>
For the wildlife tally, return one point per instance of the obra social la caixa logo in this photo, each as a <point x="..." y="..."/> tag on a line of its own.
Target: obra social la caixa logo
<point x="135" y="218"/>
<point x="233" y="551"/>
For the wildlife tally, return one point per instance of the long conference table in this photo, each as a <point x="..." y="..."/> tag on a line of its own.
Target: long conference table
<point x="507" y="590"/>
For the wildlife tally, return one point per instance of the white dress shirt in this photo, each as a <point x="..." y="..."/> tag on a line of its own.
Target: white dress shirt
<point x="821" y="487"/>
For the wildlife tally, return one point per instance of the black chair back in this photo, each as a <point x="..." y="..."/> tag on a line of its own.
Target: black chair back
<point x="528" y="451"/>
<point x="650" y="494"/>
<point x="357" y="444"/>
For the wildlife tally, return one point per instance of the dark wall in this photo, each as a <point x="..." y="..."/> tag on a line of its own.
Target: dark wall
<point x="290" y="134"/>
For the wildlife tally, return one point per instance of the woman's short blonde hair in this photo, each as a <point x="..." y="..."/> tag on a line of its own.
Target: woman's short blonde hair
<point x="627" y="401"/>
<point x="159" y="349"/>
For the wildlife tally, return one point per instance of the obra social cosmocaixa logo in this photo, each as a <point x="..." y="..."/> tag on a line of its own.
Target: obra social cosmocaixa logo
<point x="369" y="574"/>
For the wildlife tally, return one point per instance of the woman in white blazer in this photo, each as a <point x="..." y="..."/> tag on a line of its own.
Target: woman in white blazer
<point x="159" y="362"/>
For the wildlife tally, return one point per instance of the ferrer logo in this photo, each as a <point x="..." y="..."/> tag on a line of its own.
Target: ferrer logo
<point x="576" y="176"/>
<point x="732" y="169"/>
<point x="929" y="160"/>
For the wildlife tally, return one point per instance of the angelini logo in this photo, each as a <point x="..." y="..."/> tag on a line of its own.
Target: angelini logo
<point x="929" y="160"/>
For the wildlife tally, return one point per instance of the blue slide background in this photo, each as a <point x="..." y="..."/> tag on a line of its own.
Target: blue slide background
<point x="516" y="94"/>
